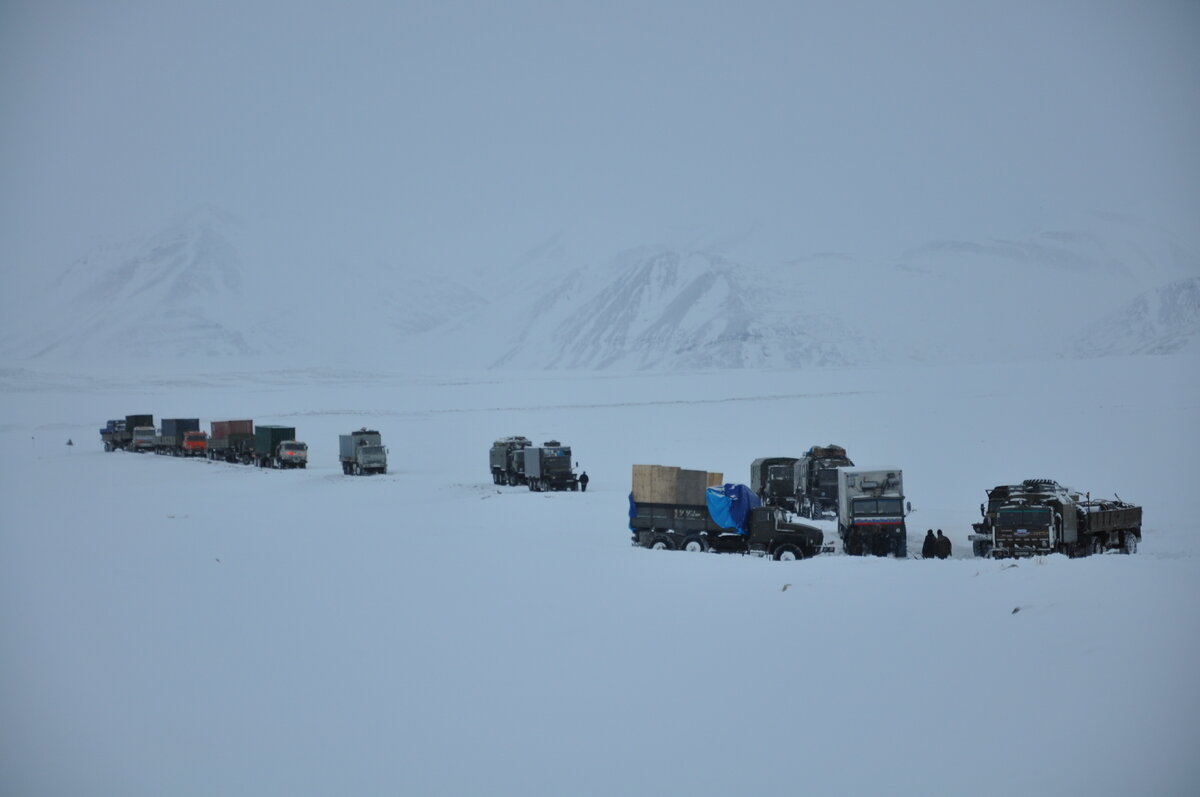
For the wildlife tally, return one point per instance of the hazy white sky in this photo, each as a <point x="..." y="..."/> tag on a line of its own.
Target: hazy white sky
<point x="461" y="133"/>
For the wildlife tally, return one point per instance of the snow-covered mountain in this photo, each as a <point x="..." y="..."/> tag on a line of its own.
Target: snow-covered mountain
<point x="177" y="291"/>
<point x="1161" y="321"/>
<point x="665" y="309"/>
<point x="207" y="286"/>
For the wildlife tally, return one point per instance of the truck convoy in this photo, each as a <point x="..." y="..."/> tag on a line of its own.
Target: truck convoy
<point x="362" y="452"/>
<point x="871" y="512"/>
<point x="1040" y="516"/>
<point x="673" y="508"/>
<point x="548" y="467"/>
<point x="804" y="485"/>
<point x="507" y="460"/>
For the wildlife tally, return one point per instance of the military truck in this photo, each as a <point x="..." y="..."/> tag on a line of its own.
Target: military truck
<point x="175" y="439"/>
<point x="871" y="511"/>
<point x="548" y="467"/>
<point x="1040" y="516"/>
<point x="277" y="447"/>
<point x="776" y="481"/>
<point x="673" y="508"/>
<point x="507" y="461"/>
<point x="362" y="452"/>
<point x="231" y="441"/>
<point x="818" y="481"/>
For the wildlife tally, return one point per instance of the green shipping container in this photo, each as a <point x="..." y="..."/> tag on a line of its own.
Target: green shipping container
<point x="266" y="438"/>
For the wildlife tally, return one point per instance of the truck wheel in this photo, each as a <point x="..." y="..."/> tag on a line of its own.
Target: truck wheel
<point x="1129" y="544"/>
<point x="788" y="553"/>
<point x="694" y="545"/>
<point x="1098" y="545"/>
<point x="660" y="544"/>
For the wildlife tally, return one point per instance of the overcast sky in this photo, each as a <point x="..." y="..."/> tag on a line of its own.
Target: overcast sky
<point x="452" y="133"/>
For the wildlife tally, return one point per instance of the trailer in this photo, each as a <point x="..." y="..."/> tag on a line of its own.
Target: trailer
<point x="507" y="461"/>
<point x="113" y="435"/>
<point x="231" y="441"/>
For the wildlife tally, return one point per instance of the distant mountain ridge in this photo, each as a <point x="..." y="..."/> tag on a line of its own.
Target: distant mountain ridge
<point x="666" y="309"/>
<point x="1162" y="321"/>
<point x="198" y="288"/>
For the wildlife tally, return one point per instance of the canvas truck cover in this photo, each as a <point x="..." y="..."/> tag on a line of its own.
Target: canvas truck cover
<point x="730" y="505"/>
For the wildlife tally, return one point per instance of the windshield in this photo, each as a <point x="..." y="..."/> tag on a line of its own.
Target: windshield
<point x="372" y="450"/>
<point x="1023" y="518"/>
<point x="295" y="447"/>
<point x="779" y="473"/>
<point x="876" y="507"/>
<point x="827" y="477"/>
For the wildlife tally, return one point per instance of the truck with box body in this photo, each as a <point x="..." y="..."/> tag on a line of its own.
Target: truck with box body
<point x="673" y="508"/>
<point x="818" y="480"/>
<point x="179" y="437"/>
<point x="776" y="481"/>
<point x="871" y="509"/>
<point x="362" y="452"/>
<point x="231" y="441"/>
<point x="277" y="447"/>
<point x="506" y="460"/>
<point x="548" y="467"/>
<point x="1040" y="516"/>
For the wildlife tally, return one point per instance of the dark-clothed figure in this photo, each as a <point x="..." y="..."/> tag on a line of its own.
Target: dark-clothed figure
<point x="583" y="480"/>
<point x="929" y="547"/>
<point x="943" y="545"/>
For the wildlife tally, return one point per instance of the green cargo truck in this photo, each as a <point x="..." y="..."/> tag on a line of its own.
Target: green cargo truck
<point x="277" y="447"/>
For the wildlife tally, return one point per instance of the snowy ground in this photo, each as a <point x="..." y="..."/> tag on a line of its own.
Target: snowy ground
<point x="181" y="627"/>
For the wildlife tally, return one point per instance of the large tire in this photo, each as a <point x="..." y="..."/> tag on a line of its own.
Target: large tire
<point x="787" y="553"/>
<point x="1098" y="546"/>
<point x="1129" y="544"/>
<point x="661" y="543"/>
<point x="694" y="545"/>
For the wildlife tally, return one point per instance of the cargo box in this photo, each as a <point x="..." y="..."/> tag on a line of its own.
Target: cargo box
<point x="224" y="429"/>
<point x="134" y="421"/>
<point x="269" y="436"/>
<point x="175" y="427"/>
<point x="655" y="484"/>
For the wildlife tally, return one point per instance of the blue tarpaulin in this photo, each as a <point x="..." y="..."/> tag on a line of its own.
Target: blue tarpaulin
<point x="730" y="505"/>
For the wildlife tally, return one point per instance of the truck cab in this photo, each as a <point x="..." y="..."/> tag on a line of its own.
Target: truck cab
<point x="871" y="510"/>
<point x="145" y="438"/>
<point x="195" y="444"/>
<point x="293" y="454"/>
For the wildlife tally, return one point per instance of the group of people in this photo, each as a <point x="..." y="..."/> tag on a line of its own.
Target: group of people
<point x="935" y="547"/>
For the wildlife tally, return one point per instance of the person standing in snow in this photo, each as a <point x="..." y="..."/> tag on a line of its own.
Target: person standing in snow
<point x="929" y="547"/>
<point x="583" y="480"/>
<point x="943" y="545"/>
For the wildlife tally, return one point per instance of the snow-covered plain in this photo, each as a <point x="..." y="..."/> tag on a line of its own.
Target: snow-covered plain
<point x="181" y="627"/>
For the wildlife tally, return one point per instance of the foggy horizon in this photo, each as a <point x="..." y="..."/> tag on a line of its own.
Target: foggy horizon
<point x="449" y="137"/>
